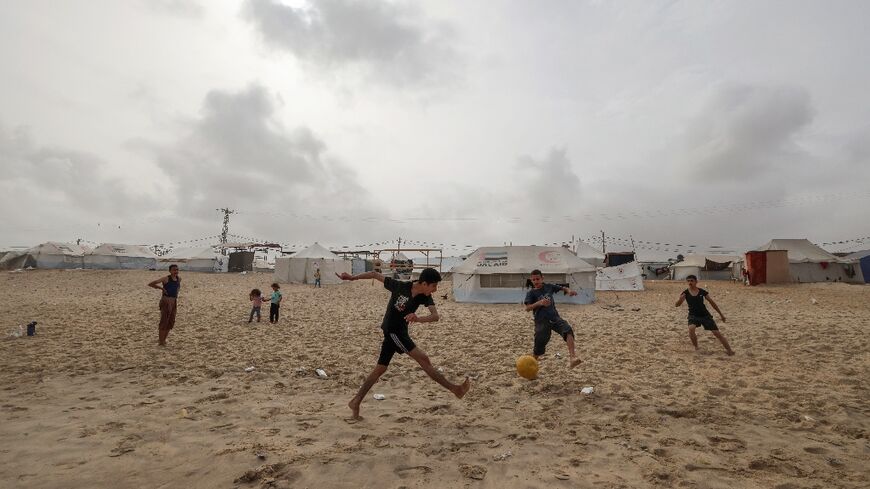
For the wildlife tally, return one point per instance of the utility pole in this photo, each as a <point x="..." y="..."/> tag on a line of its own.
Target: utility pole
<point x="226" y="228"/>
<point x="602" y="242"/>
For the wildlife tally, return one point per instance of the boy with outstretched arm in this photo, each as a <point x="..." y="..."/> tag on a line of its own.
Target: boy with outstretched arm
<point x="540" y="300"/>
<point x="405" y="298"/>
<point x="698" y="313"/>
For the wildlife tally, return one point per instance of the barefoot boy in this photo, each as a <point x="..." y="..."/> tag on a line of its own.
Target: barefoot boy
<point x="540" y="300"/>
<point x="698" y="313"/>
<point x="401" y="310"/>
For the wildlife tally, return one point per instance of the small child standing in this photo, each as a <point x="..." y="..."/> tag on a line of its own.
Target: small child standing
<point x="317" y="277"/>
<point x="275" y="303"/>
<point x="256" y="301"/>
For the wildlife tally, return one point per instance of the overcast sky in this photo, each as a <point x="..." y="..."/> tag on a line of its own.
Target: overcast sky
<point x="469" y="123"/>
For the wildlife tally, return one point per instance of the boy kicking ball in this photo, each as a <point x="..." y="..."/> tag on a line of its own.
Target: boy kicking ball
<point x="698" y="313"/>
<point x="406" y="297"/>
<point x="540" y="300"/>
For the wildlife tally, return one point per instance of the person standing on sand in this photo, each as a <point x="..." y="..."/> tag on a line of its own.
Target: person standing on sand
<point x="698" y="313"/>
<point x="317" y="277"/>
<point x="170" y="285"/>
<point x="547" y="319"/>
<point x="401" y="311"/>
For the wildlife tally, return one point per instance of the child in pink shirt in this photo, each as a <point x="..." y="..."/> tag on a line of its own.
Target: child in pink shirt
<point x="256" y="301"/>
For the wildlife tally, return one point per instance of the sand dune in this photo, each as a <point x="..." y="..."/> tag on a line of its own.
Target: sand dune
<point x="91" y="401"/>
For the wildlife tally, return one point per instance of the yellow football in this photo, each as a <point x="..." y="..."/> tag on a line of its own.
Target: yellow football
<point x="527" y="367"/>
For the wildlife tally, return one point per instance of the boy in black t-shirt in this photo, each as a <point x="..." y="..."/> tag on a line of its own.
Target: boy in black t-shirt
<point x="540" y="300"/>
<point x="698" y="313"/>
<point x="401" y="310"/>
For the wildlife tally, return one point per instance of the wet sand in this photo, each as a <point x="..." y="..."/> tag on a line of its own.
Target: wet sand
<point x="92" y="401"/>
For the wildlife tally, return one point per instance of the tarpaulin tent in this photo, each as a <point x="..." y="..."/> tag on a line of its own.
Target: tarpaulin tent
<point x="57" y="255"/>
<point x="863" y="263"/>
<point x="300" y="267"/>
<point x="205" y="259"/>
<point x="628" y="276"/>
<point x="498" y="274"/>
<point x="707" y="267"/>
<point x="120" y="256"/>
<point x="810" y="263"/>
<point x="589" y="254"/>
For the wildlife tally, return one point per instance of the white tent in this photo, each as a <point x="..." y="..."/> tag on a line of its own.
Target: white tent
<point x="627" y="276"/>
<point x="205" y="259"/>
<point x="57" y="255"/>
<point x="809" y="263"/>
<point x="722" y="267"/>
<point x="497" y="275"/>
<point x="120" y="256"/>
<point x="589" y="254"/>
<point x="300" y="267"/>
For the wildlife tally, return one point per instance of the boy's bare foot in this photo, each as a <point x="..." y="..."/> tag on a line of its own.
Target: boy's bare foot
<point x="730" y="353"/>
<point x="463" y="389"/>
<point x="573" y="362"/>
<point x="354" y="408"/>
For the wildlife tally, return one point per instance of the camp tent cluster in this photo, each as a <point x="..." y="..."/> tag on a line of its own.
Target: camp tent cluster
<point x="111" y="256"/>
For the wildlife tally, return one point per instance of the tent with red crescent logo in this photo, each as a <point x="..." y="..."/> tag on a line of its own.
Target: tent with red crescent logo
<point x="498" y="274"/>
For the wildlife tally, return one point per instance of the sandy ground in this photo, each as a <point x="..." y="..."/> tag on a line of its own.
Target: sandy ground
<point x="91" y="401"/>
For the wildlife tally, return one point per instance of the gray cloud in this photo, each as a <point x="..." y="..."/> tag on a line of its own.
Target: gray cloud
<point x="745" y="131"/>
<point x="549" y="183"/>
<point x="58" y="192"/>
<point x="190" y="9"/>
<point x="238" y="154"/>
<point x="388" y="42"/>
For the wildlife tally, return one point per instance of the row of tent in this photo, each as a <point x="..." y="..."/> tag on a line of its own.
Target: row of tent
<point x="778" y="261"/>
<point x="109" y="256"/>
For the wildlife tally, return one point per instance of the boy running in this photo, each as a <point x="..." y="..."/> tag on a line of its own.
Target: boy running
<point x="540" y="300"/>
<point x="401" y="310"/>
<point x="698" y="313"/>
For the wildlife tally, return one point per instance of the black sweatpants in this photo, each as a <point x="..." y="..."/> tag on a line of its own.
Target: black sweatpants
<point x="273" y="312"/>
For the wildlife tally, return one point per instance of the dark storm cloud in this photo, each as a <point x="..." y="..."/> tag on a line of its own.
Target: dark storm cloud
<point x="548" y="183"/>
<point x="746" y="131"/>
<point x="389" y="42"/>
<point x="238" y="154"/>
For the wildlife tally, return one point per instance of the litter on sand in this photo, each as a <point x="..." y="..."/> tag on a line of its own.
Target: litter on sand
<point x="321" y="373"/>
<point x="587" y="390"/>
<point x="250" y="369"/>
<point x="379" y="397"/>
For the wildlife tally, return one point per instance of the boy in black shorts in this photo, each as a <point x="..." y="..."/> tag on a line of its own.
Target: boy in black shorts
<point x="401" y="310"/>
<point x="540" y="300"/>
<point x="698" y="313"/>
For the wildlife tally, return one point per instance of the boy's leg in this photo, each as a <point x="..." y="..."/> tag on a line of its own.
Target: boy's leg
<point x="728" y="349"/>
<point x="364" y="389"/>
<point x="251" y="317"/>
<point x="564" y="329"/>
<point x="457" y="389"/>
<point x="277" y="310"/>
<point x="692" y="336"/>
<point x="573" y="361"/>
<point x="542" y="337"/>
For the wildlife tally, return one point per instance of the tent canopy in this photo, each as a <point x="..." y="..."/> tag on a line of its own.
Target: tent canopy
<point x="204" y="253"/>
<point x="132" y="251"/>
<point x="497" y="275"/>
<point x="316" y="251"/>
<point x="801" y="251"/>
<point x="700" y="261"/>
<point x="521" y="259"/>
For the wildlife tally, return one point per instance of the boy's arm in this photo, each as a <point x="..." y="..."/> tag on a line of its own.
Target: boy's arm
<point x="568" y="291"/>
<point x="153" y="284"/>
<point x="431" y="318"/>
<point x="713" y="303"/>
<point x="682" y="298"/>
<point x="361" y="276"/>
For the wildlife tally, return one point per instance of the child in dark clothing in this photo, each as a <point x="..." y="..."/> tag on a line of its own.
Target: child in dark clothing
<point x="698" y="313"/>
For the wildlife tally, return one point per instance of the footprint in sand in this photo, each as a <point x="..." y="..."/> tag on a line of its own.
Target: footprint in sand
<point x="414" y="471"/>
